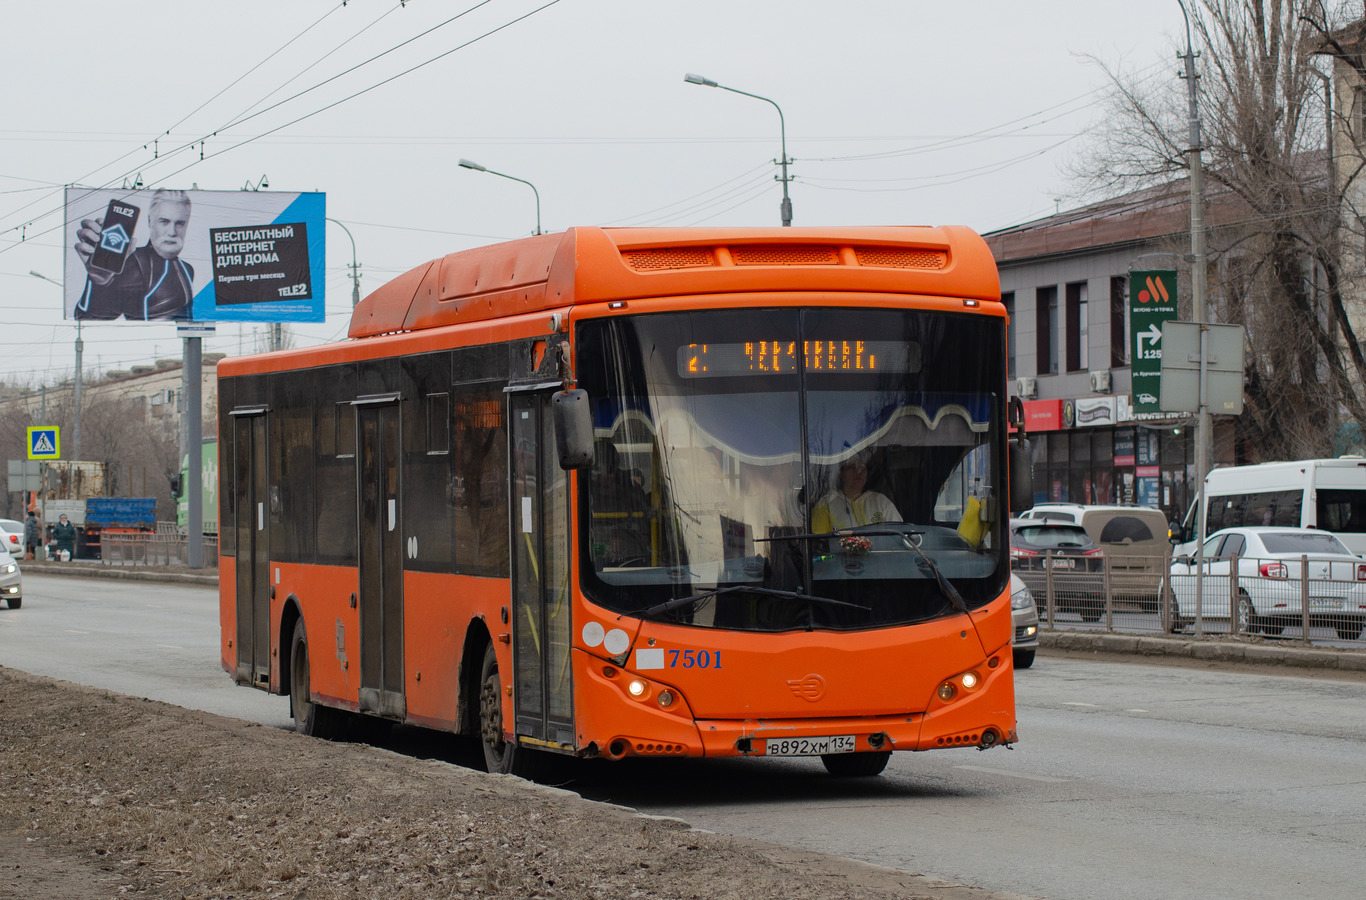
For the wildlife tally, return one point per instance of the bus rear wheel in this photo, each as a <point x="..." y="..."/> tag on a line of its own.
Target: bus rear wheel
<point x="501" y="757"/>
<point x="309" y="717"/>
<point x="856" y="765"/>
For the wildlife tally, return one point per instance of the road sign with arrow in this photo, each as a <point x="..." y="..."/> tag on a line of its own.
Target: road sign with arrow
<point x="1152" y="301"/>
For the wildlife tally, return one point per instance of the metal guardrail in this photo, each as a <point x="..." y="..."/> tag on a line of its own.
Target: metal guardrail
<point x="1120" y="595"/>
<point x="163" y="548"/>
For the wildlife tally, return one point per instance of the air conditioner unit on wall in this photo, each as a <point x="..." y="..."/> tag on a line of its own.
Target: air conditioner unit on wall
<point x="1100" y="382"/>
<point x="1026" y="387"/>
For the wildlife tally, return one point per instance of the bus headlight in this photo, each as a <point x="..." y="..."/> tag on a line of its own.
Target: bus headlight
<point x="637" y="688"/>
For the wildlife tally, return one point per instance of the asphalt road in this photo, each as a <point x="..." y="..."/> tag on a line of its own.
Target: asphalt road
<point x="1129" y="781"/>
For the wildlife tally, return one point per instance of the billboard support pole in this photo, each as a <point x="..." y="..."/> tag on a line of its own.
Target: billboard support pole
<point x="194" y="406"/>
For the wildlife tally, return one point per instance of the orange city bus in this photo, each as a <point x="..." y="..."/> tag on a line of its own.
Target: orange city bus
<point x="598" y="493"/>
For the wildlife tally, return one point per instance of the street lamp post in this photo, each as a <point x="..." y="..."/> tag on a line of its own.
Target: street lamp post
<point x="355" y="267"/>
<point x="469" y="164"/>
<point x="1198" y="308"/>
<point x="75" y="384"/>
<point x="785" y="210"/>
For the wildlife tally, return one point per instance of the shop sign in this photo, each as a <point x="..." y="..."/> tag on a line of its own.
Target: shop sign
<point x="1095" y="411"/>
<point x="1043" y="415"/>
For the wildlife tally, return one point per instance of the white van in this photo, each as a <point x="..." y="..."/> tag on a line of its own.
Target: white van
<point x="1328" y="494"/>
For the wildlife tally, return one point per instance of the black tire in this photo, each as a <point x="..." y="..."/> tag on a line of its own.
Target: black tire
<point x="500" y="756"/>
<point x="15" y="602"/>
<point x="1092" y="610"/>
<point x="1248" y="620"/>
<point x="310" y="718"/>
<point x="1024" y="659"/>
<point x="856" y="765"/>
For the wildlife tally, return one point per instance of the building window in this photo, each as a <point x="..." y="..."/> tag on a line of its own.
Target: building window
<point x="1008" y="300"/>
<point x="1046" y="345"/>
<point x="1077" y="357"/>
<point x="1119" y="321"/>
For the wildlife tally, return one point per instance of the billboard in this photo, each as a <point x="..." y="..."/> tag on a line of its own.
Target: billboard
<point x="202" y="256"/>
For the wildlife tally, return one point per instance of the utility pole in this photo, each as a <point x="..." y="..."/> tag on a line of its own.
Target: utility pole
<point x="1199" y="312"/>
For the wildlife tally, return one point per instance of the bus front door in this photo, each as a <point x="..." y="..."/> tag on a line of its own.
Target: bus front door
<point x="381" y="559"/>
<point x="253" y="547"/>
<point x="543" y="695"/>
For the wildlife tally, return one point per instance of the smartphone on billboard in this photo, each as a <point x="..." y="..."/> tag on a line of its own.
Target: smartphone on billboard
<point x="116" y="237"/>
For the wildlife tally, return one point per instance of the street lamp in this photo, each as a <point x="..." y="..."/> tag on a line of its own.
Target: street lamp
<point x="76" y="384"/>
<point x="355" y="267"/>
<point x="786" y="209"/>
<point x="468" y="164"/>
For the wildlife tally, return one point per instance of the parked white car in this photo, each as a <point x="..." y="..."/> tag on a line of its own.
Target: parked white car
<point x="12" y="535"/>
<point x="1267" y="595"/>
<point x="11" y="580"/>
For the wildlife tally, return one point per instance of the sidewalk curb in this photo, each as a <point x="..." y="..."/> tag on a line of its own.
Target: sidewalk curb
<point x="1215" y="648"/>
<point x="169" y="574"/>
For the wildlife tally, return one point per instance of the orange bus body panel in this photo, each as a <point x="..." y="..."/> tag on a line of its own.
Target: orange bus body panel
<point x="779" y="690"/>
<point x="227" y="613"/>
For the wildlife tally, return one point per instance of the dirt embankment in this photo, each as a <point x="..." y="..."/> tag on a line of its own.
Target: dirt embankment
<point x="103" y="795"/>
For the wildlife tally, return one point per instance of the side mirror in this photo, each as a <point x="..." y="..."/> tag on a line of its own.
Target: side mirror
<point x="573" y="429"/>
<point x="1021" y="475"/>
<point x="1019" y="459"/>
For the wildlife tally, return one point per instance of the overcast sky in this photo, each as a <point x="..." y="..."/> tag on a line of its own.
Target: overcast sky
<point x="897" y="112"/>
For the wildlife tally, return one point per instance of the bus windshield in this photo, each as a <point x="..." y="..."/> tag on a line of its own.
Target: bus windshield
<point x="775" y="469"/>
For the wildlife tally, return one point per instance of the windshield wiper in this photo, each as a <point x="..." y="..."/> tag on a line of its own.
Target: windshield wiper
<point x="691" y="599"/>
<point x="945" y="586"/>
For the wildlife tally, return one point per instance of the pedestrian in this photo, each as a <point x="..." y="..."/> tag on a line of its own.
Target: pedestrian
<point x="33" y="536"/>
<point x="64" y="538"/>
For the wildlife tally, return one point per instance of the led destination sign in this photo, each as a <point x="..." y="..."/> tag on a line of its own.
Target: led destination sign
<point x="785" y="358"/>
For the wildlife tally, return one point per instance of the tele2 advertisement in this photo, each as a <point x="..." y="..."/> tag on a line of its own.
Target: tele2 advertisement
<point x="194" y="256"/>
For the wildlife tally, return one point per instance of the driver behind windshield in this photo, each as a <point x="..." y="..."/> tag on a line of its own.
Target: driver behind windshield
<point x="850" y="504"/>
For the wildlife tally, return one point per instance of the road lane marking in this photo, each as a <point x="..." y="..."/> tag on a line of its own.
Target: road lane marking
<point x="1010" y="774"/>
<point x="1075" y="703"/>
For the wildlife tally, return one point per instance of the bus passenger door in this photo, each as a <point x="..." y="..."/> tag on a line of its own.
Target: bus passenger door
<point x="543" y="695"/>
<point x="253" y="546"/>
<point x="381" y="560"/>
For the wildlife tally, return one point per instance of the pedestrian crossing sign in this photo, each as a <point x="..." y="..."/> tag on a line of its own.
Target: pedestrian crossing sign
<point x="44" y="442"/>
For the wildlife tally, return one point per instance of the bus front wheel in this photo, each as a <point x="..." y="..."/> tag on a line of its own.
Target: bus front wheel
<point x="501" y="756"/>
<point x="856" y="765"/>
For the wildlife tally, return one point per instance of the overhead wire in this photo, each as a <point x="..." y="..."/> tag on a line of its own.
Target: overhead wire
<point x="200" y="142"/>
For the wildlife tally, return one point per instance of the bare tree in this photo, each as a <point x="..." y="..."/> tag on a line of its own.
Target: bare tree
<point x="1275" y="243"/>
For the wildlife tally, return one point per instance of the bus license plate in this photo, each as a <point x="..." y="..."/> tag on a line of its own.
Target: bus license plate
<point x="809" y="746"/>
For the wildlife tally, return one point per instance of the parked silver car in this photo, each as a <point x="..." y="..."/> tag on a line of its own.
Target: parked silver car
<point x="11" y="586"/>
<point x="1267" y="595"/>
<point x="1025" y="616"/>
